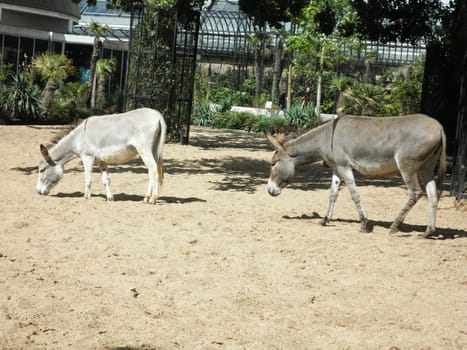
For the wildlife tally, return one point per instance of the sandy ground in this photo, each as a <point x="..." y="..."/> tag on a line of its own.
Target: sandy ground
<point x="218" y="263"/>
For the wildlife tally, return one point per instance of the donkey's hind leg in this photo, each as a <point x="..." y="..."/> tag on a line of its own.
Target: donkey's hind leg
<point x="415" y="192"/>
<point x="432" y="193"/>
<point x="333" y="194"/>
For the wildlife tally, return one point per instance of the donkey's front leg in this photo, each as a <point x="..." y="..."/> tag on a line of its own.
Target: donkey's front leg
<point x="349" y="179"/>
<point x="334" y="193"/>
<point x="106" y="181"/>
<point x="88" y="162"/>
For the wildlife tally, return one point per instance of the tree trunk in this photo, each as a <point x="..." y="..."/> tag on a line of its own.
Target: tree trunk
<point x="48" y="96"/>
<point x="340" y="105"/>
<point x="96" y="48"/>
<point x="277" y="70"/>
<point x="100" y="95"/>
<point x="259" y="70"/>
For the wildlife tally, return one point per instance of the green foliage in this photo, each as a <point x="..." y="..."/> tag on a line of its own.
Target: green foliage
<point x="66" y="111"/>
<point x="404" y="87"/>
<point x="72" y="91"/>
<point x="69" y="103"/>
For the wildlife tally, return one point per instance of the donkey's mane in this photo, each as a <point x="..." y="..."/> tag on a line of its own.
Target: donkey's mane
<point x="299" y="133"/>
<point x="65" y="131"/>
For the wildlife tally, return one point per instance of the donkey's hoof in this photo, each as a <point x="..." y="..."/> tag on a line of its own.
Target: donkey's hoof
<point x="366" y="227"/>
<point x="429" y="232"/>
<point x="393" y="229"/>
<point x="150" y="199"/>
<point x="324" y="221"/>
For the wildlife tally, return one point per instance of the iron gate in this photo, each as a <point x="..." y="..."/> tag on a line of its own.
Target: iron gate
<point x="162" y="64"/>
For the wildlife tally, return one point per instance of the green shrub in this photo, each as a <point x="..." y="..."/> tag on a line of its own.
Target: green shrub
<point x="235" y="120"/>
<point x="273" y="125"/>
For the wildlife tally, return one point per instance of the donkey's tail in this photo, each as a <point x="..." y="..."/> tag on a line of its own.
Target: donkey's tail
<point x="160" y="142"/>
<point x="441" y="164"/>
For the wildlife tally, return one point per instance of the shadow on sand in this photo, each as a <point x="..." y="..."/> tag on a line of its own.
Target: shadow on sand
<point x="123" y="197"/>
<point x="405" y="230"/>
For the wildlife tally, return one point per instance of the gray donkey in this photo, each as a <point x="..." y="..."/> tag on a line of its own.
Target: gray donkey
<point x="413" y="145"/>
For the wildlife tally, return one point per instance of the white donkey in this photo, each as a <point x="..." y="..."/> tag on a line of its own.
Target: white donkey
<point x="108" y="139"/>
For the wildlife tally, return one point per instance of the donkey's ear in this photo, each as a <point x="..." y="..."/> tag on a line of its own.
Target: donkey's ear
<point x="45" y="154"/>
<point x="276" y="143"/>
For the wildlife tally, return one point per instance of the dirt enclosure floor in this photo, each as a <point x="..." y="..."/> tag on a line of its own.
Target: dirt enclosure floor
<point x="217" y="263"/>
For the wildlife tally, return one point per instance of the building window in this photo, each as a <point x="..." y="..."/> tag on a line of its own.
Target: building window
<point x="26" y="50"/>
<point x="10" y="51"/>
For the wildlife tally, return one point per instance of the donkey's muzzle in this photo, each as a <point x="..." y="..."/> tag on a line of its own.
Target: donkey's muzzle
<point x="273" y="189"/>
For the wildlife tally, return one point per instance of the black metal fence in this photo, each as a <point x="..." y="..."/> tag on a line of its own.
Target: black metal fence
<point x="458" y="186"/>
<point x="162" y="64"/>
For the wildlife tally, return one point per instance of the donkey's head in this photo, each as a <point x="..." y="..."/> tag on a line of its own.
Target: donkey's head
<point x="282" y="166"/>
<point x="50" y="173"/>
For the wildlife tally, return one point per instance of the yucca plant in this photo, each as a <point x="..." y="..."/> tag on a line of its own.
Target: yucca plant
<point x="23" y="99"/>
<point x="203" y="115"/>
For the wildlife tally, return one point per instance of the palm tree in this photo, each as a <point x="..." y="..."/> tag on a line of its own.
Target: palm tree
<point x="53" y="69"/>
<point x="104" y="70"/>
<point x="365" y="99"/>
<point x="97" y="29"/>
